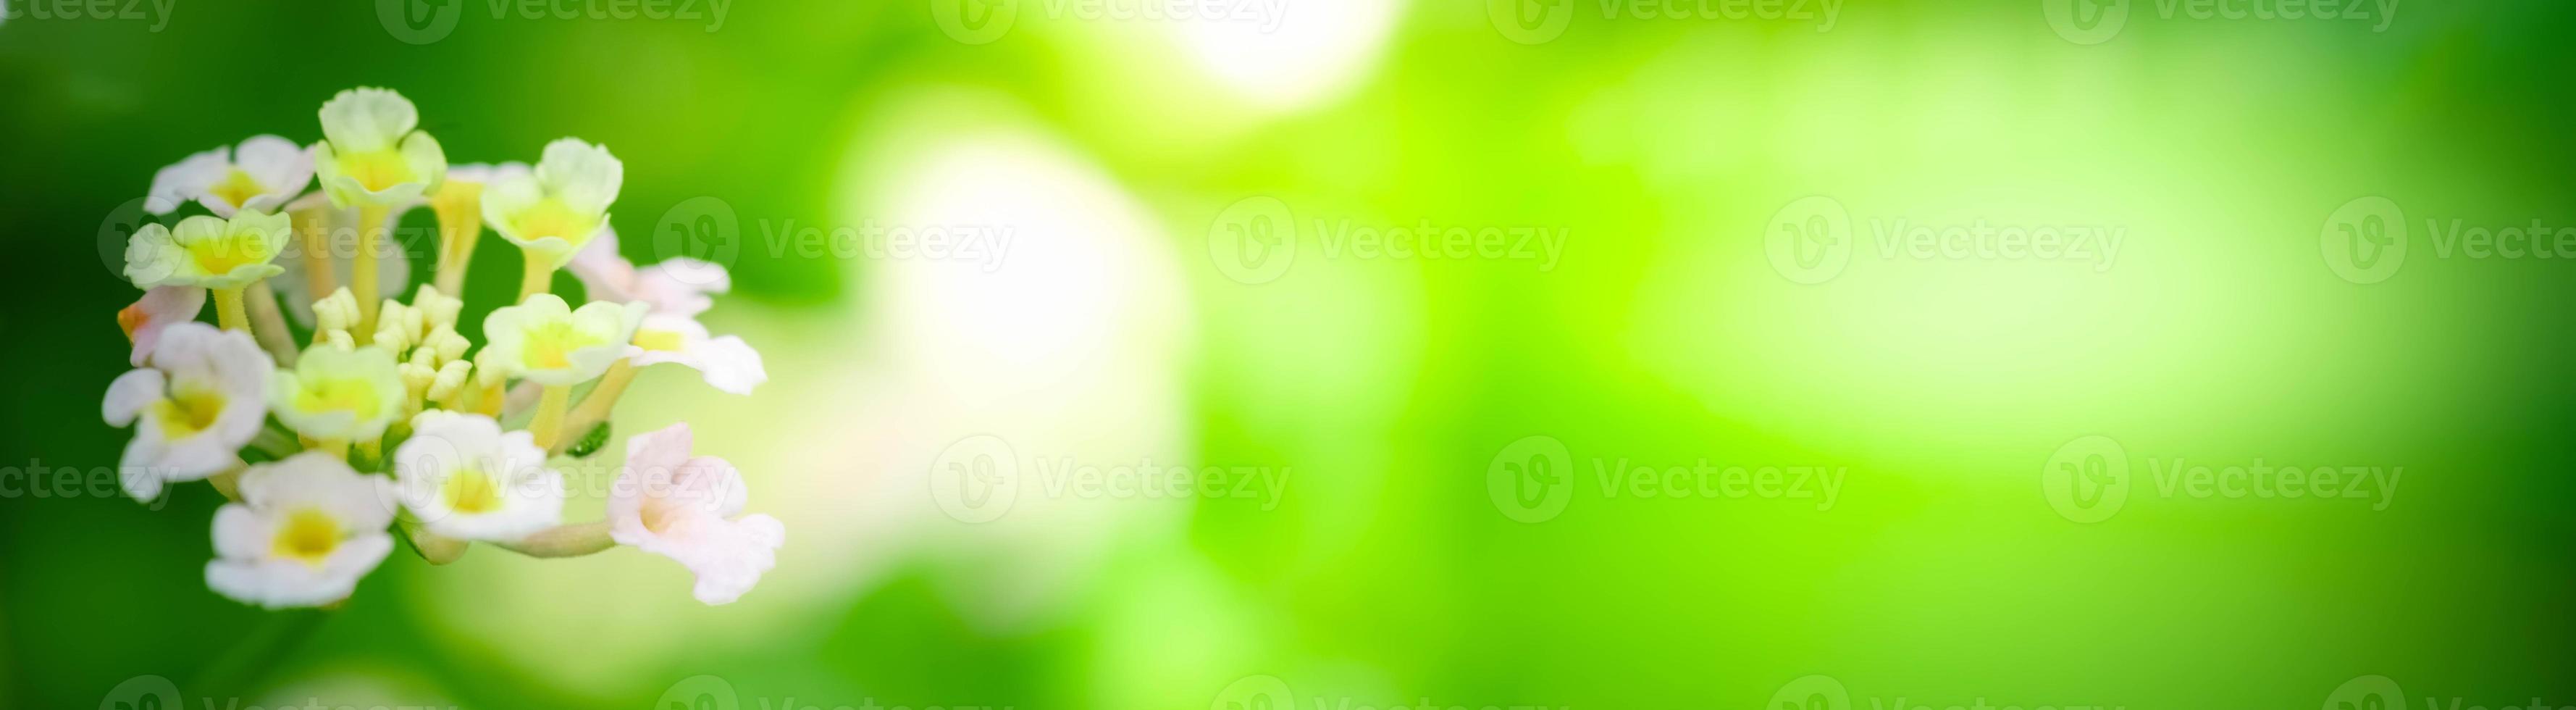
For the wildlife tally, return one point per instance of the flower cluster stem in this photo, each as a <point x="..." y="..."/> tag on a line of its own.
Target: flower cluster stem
<point x="314" y="229"/>
<point x="432" y="547"/>
<point x="573" y="540"/>
<point x="548" y="424"/>
<point x="460" y="226"/>
<point x="539" y="277"/>
<point x="228" y="309"/>
<point x="596" y="405"/>
<point x="363" y="278"/>
<point x="268" y="324"/>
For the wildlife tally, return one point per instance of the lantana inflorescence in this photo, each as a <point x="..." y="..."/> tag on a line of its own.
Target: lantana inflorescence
<point x="338" y="418"/>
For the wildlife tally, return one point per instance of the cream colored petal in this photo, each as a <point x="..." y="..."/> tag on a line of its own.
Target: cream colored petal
<point x="585" y="176"/>
<point x="367" y="119"/>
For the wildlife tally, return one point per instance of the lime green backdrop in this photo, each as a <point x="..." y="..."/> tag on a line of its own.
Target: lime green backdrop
<point x="1866" y="421"/>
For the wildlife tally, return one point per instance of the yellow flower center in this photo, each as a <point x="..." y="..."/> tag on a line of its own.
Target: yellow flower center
<point x="377" y="170"/>
<point x="552" y="218"/>
<point x="550" y="345"/>
<point x="663" y="340"/>
<point x="471" y="491"/>
<point x="655" y="516"/>
<point x="189" y="410"/>
<point x="308" y="535"/>
<point x="220" y="255"/>
<point x="236" y="188"/>
<point x="354" y="396"/>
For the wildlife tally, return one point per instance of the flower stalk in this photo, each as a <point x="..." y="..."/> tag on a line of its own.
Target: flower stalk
<point x="362" y="268"/>
<point x="596" y="405"/>
<point x="268" y="324"/>
<point x="548" y="424"/>
<point x="571" y="540"/>
<point x="228" y="309"/>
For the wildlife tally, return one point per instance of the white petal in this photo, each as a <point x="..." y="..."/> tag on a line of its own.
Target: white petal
<point x="130" y="394"/>
<point x="281" y="168"/>
<point x="159" y="308"/>
<point x="367" y="119"/>
<point x="605" y="275"/>
<point x="730" y="365"/>
<point x="242" y="533"/>
<point x="138" y="473"/>
<point x="586" y="177"/>
<point x="187" y="180"/>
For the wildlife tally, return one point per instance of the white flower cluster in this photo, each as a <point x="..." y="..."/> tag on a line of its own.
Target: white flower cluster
<point x="301" y="431"/>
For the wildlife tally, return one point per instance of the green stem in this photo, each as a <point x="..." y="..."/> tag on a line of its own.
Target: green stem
<point x="228" y="309"/>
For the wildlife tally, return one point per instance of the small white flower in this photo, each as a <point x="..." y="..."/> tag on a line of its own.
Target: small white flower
<point x="158" y="309"/>
<point x="193" y="407"/>
<point x="336" y="394"/>
<point x="678" y="285"/>
<point x="372" y="153"/>
<point x="260" y="176"/>
<point x="556" y="209"/>
<point x="305" y="530"/>
<point x="546" y="342"/>
<point x="727" y="363"/>
<point x="212" y="252"/>
<point x="682" y="507"/>
<point x="466" y="479"/>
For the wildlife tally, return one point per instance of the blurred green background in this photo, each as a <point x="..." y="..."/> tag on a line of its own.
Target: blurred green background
<point x="1419" y="548"/>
